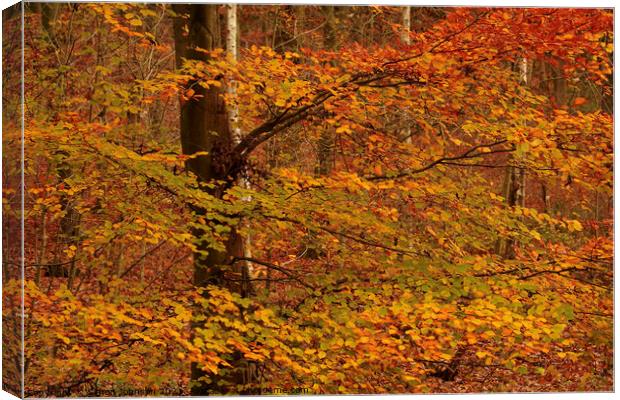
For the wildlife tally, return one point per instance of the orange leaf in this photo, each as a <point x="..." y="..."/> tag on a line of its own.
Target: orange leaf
<point x="580" y="100"/>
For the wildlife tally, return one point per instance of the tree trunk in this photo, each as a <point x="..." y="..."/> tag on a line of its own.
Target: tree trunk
<point x="70" y="221"/>
<point x="325" y="150"/>
<point x="406" y="39"/>
<point x="326" y="142"/>
<point x="69" y="228"/>
<point x="244" y="242"/>
<point x="300" y="18"/>
<point x="204" y="126"/>
<point x="404" y="34"/>
<point x="514" y="182"/>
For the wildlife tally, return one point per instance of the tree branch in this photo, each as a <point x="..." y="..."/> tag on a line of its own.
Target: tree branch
<point x="468" y="154"/>
<point x="274" y="267"/>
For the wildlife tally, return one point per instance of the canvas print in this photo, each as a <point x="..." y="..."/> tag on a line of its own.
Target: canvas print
<point x="204" y="199"/>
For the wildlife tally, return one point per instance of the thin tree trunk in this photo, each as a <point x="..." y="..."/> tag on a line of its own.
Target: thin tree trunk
<point x="406" y="39"/>
<point x="233" y="120"/>
<point x="326" y="140"/>
<point x="523" y="75"/>
<point x="404" y="34"/>
<point x="607" y="103"/>
<point x="545" y="198"/>
<point x="514" y="181"/>
<point x="300" y="17"/>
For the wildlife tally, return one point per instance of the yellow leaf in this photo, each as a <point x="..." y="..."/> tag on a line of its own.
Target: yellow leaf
<point x="343" y="129"/>
<point x="63" y="338"/>
<point x="574" y="225"/>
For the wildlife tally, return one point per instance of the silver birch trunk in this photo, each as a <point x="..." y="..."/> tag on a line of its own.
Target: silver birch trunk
<point x="233" y="118"/>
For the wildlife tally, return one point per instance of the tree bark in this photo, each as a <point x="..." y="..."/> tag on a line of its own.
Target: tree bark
<point x="406" y="39"/>
<point x="404" y="34"/>
<point x="326" y="140"/>
<point x="244" y="242"/>
<point x="514" y="181"/>
<point x="204" y="127"/>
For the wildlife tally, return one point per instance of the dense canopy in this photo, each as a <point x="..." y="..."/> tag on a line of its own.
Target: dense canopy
<point x="331" y="200"/>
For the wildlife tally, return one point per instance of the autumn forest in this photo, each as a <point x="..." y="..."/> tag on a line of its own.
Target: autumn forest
<point x="278" y="199"/>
